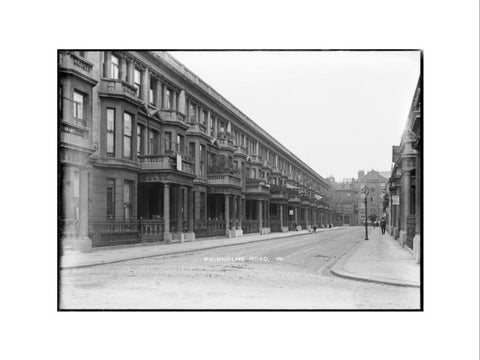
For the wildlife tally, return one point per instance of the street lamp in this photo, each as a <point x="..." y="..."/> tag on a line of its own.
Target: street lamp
<point x="365" y="191"/>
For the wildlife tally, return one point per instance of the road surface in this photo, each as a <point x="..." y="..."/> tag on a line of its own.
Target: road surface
<point x="288" y="273"/>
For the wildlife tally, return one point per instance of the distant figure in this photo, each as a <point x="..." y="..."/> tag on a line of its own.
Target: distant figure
<point x="383" y="225"/>
<point x="314" y="228"/>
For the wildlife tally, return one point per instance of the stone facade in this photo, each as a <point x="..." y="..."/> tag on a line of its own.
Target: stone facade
<point x="405" y="184"/>
<point x="150" y="152"/>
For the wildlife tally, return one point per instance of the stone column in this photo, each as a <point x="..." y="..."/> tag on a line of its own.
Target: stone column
<point x="190" y="235"/>
<point x="242" y="211"/>
<point x="190" y="209"/>
<point x="158" y="94"/>
<point x="164" y="101"/>
<point x="167" y="236"/>
<point x="179" y="208"/>
<point x="406" y="198"/>
<point x="227" y="214"/>
<point x="182" y="104"/>
<point x="145" y="85"/>
<point x="123" y="69"/>
<point x="235" y="213"/>
<point x="83" y="243"/>
<point x="130" y="69"/>
<point x="260" y="210"/>
<point x="281" y="216"/>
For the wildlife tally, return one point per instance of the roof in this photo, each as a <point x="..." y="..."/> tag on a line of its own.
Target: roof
<point x="375" y="175"/>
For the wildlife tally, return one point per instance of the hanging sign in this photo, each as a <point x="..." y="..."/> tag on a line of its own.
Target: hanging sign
<point x="395" y="200"/>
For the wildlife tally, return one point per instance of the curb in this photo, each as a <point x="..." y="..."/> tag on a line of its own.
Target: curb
<point x="338" y="269"/>
<point x="180" y="252"/>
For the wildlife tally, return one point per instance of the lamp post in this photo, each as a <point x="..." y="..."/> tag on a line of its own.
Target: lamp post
<point x="365" y="191"/>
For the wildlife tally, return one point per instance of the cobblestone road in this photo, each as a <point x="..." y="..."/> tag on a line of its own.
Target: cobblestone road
<point x="276" y="274"/>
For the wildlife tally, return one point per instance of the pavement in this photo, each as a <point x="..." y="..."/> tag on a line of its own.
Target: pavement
<point x="381" y="259"/>
<point x="113" y="254"/>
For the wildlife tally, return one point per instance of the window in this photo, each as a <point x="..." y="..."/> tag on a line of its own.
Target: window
<point x="153" y="142"/>
<point x="127" y="199"/>
<point x="168" y="141"/>
<point x="114" y="67"/>
<point x="78" y="101"/>
<point x="254" y="173"/>
<point x="137" y="82"/>
<point x="110" y="199"/>
<point x="127" y="135"/>
<point x="139" y="139"/>
<point x="202" y="160"/>
<point x="180" y="144"/>
<point x="191" y="149"/>
<point x="168" y="96"/>
<point x="191" y="114"/>
<point x="210" y="126"/>
<point x="110" y="132"/>
<point x="151" y="91"/>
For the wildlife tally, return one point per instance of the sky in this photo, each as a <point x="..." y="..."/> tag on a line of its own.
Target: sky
<point x="338" y="111"/>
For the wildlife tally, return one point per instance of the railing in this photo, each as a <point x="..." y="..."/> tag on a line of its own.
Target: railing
<point x="411" y="228"/>
<point x="209" y="228"/>
<point x="74" y="132"/>
<point x="107" y="233"/>
<point x="172" y="148"/>
<point x="172" y="115"/>
<point x="162" y="162"/>
<point x="250" y="226"/>
<point x="223" y="179"/>
<point x="151" y="230"/>
<point x="275" y="226"/>
<point x="69" y="60"/>
<point x="119" y="87"/>
<point x="198" y="127"/>
<point x="155" y="162"/>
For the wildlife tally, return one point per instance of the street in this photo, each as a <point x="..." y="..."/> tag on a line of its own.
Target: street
<point x="288" y="273"/>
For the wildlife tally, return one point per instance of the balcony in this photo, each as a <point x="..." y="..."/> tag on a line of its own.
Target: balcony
<point x="74" y="64"/>
<point x="257" y="187"/>
<point x="173" y="116"/>
<point x="197" y="127"/>
<point x="224" y="180"/>
<point x="240" y="150"/>
<point x="163" y="162"/>
<point x="225" y="140"/>
<point x="256" y="159"/>
<point x="75" y="133"/>
<point x="119" y="88"/>
<point x="278" y="192"/>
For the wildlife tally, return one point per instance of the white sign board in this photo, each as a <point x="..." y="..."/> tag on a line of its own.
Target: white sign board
<point x="290" y="212"/>
<point x="395" y="200"/>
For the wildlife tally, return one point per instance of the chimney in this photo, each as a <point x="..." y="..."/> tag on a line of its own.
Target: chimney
<point x="361" y="173"/>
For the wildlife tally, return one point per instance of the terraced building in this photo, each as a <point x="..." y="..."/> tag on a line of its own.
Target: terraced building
<point x="150" y="152"/>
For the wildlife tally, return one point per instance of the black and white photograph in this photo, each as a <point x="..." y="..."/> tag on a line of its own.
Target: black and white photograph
<point x="171" y="197"/>
<point x="240" y="180"/>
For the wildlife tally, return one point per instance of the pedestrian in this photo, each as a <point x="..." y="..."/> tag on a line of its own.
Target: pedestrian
<point x="383" y="225"/>
<point x="314" y="228"/>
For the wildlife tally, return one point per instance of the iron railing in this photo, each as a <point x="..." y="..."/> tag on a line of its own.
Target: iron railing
<point x="250" y="226"/>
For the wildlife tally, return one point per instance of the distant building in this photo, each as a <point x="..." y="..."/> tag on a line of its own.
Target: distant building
<point x="405" y="183"/>
<point x="345" y="199"/>
<point x="376" y="184"/>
